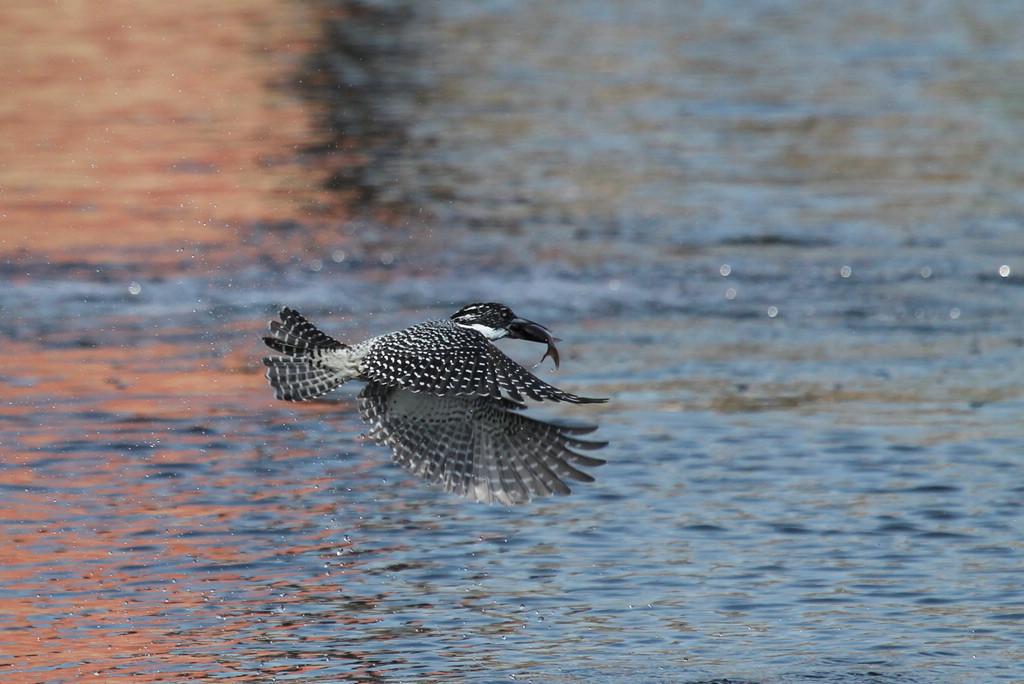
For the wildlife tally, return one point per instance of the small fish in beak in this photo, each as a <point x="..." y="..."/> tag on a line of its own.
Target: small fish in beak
<point x="523" y="329"/>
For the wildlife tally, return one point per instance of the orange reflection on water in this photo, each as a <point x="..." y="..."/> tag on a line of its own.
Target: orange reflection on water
<point x="116" y="561"/>
<point x="150" y="527"/>
<point x="130" y="124"/>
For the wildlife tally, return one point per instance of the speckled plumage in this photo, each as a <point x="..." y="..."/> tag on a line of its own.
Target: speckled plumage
<point x="445" y="400"/>
<point x="442" y="357"/>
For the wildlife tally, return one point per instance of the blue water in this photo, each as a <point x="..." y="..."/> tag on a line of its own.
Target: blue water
<point x="786" y="240"/>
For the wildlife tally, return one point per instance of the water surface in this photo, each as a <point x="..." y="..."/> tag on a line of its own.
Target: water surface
<point x="785" y="240"/>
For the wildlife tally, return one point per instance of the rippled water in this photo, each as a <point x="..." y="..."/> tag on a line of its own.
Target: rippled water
<point x="786" y="240"/>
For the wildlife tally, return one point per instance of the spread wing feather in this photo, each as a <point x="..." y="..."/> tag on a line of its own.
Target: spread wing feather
<point x="479" y="447"/>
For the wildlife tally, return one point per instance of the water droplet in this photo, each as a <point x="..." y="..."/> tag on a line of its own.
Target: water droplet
<point x="845" y="271"/>
<point x="773" y="311"/>
<point x="134" y="288"/>
<point x="1004" y="270"/>
<point x="725" y="269"/>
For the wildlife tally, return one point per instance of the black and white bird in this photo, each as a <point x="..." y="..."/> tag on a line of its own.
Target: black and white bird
<point x="445" y="400"/>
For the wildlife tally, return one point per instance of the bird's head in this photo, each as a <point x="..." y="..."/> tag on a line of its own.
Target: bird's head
<point x="495" y="321"/>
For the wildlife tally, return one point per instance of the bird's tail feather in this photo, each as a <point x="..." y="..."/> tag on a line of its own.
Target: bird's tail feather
<point x="295" y="336"/>
<point x="300" y="375"/>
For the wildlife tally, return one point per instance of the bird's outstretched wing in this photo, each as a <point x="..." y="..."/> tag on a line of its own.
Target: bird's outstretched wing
<point x="476" y="446"/>
<point x="442" y="358"/>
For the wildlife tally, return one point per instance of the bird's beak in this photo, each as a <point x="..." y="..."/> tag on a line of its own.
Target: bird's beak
<point x="523" y="329"/>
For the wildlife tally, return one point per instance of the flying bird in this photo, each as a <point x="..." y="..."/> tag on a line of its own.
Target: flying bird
<point x="445" y="400"/>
